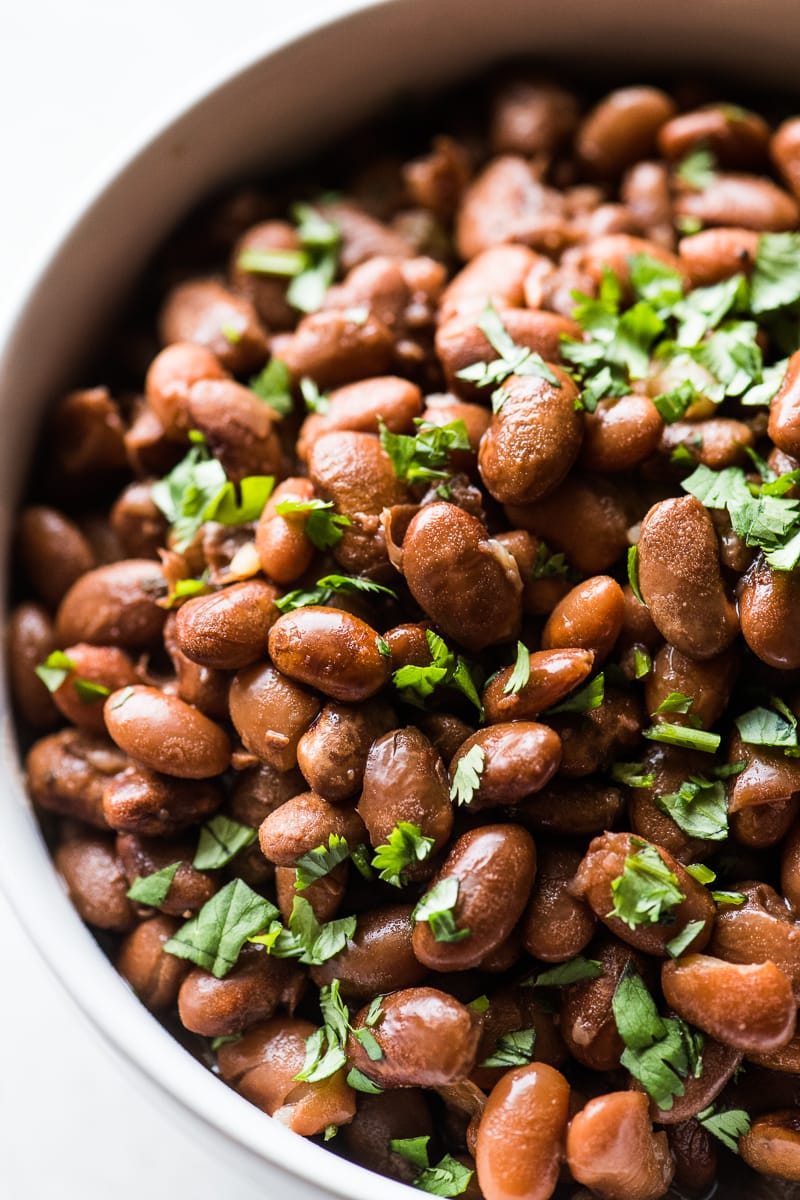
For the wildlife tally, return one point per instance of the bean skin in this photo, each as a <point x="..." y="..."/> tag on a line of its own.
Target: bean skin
<point x="680" y="579"/>
<point x="228" y="629"/>
<point x="303" y="823"/>
<point x="201" y="310"/>
<point x="465" y="581"/>
<point x="613" y="1149"/>
<point x="518" y="758"/>
<point x="154" y="976"/>
<point x="114" y="605"/>
<point x="256" y="986"/>
<point x="284" y="549"/>
<point x="332" y="753"/>
<point x="565" y="807"/>
<point x="107" y="666"/>
<point x="769" y="776"/>
<point x="68" y="771"/>
<point x="553" y="675"/>
<point x="96" y="882"/>
<point x="54" y="552"/>
<point x="334" y="349"/>
<point x="720" y="1064"/>
<point x="562" y="517"/>
<point x="785" y="152"/>
<point x="330" y="650"/>
<point x="379" y="957"/>
<point x="142" y="802"/>
<point x="405" y="780"/>
<point x="29" y="640"/>
<point x="497" y="274"/>
<point x="402" y="1113"/>
<point x="166" y="734"/>
<point x="605" y="861"/>
<point x="764" y="825"/>
<point x="735" y="137"/>
<point x="716" y="254"/>
<point x="748" y="200"/>
<point x="586" y="1019"/>
<point x="589" y="617"/>
<point x="556" y="926"/>
<point x="748" y="1006"/>
<point x="271" y="713"/>
<point x="533" y="440"/>
<point x="620" y="433"/>
<point x="169" y="379"/>
<point x="763" y="929"/>
<point x="768" y="600"/>
<point x="521" y="1135"/>
<point x="428" y="1039"/>
<point x="708" y="682"/>
<point x="772" y="1145"/>
<point x="495" y="867"/>
<point x="623" y="128"/>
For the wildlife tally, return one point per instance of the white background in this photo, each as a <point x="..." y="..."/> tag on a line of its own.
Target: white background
<point x="79" y="81"/>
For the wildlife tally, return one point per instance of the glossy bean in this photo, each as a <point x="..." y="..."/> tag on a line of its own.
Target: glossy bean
<point x="708" y="682"/>
<point x="622" y="128"/>
<point x="521" y="1136"/>
<point x="29" y="640"/>
<point x="553" y="675"/>
<point x="227" y="629"/>
<point x="202" y="311"/>
<point x="620" y="433"/>
<point x="96" y="881"/>
<point x="713" y="255"/>
<point x="586" y="1019"/>
<point x="68" y="771"/>
<point x="252" y="991"/>
<point x="497" y="274"/>
<point x="589" y="618"/>
<point x="613" y="1148"/>
<point x="171" y="375"/>
<point x="271" y="713"/>
<point x="166" y="734"/>
<point x="379" y="957"/>
<point x="239" y="428"/>
<point x="751" y="201"/>
<point x="334" y="349"/>
<point x="189" y="890"/>
<point x="405" y="780"/>
<point x="303" y="823"/>
<point x="106" y="668"/>
<point x="763" y="929"/>
<point x="330" y="650"/>
<point x="154" y="976"/>
<point x="562" y="517"/>
<point x="748" y="1006"/>
<point x="518" y="758"/>
<point x="772" y="1145"/>
<point x="460" y="342"/>
<point x="332" y="753"/>
<point x="556" y="926"/>
<point x="114" y="605"/>
<point x="284" y="548"/>
<point x="53" y="550"/>
<point x="140" y="801"/>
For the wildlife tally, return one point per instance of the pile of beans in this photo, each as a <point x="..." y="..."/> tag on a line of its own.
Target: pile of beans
<point x="481" y="725"/>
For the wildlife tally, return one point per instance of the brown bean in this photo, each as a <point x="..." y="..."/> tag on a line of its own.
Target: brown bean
<point x="562" y="517"/>
<point x="259" y="790"/>
<point x="148" y="450"/>
<point x="428" y="1039"/>
<point x="68" y="771"/>
<point x="533" y="440"/>
<point x="735" y="137"/>
<point x="53" y="550"/>
<point x="166" y="734"/>
<point x="140" y="801"/>
<point x="720" y="1064"/>
<point x="717" y="443"/>
<point x="772" y="1144"/>
<point x="785" y="152"/>
<point x="716" y="254"/>
<point x="303" y="823"/>
<point x="332" y="753"/>
<point x="335" y="349"/>
<point x="566" y="807"/>
<point x="271" y="713"/>
<point x="749" y="201"/>
<point x="518" y="758"/>
<point x="29" y="640"/>
<point x="495" y="867"/>
<point x="786" y="1059"/>
<point x="107" y="667"/>
<point x="522" y="1133"/>
<point x="590" y="742"/>
<point x="748" y="1006"/>
<point x="767" y="603"/>
<point x="325" y="895"/>
<point x="446" y="732"/>
<point x="203" y="687"/>
<point x="556" y="926"/>
<point x="138" y="523"/>
<point x="531" y="117"/>
<point x="553" y="675"/>
<point x="460" y="342"/>
<point x="784" y="415"/>
<point x="362" y="236"/>
<point x="680" y="579"/>
<point x="497" y="274"/>
<point x="512" y="1008"/>
<point x="465" y="581"/>
<point x="790" y="867"/>
<point x="506" y="203"/>
<point x="645" y="192"/>
<point x="620" y="433"/>
<point x="588" y="618"/>
<point x="444" y="409"/>
<point x="622" y="128"/>
<point x="206" y="313"/>
<point x="240" y="429"/>
<point x="708" y="682"/>
<point x="189" y="890"/>
<point x="377" y="959"/>
<point x="613" y="1149"/>
<point x="769" y="776"/>
<point x="330" y="650"/>
<point x="262" y="1066"/>
<point x="227" y="629"/>
<point x="763" y="929"/>
<point x="615" y="251"/>
<point x="401" y="1113"/>
<point x="363" y="405"/>
<point x="85" y="437"/>
<point x="670" y="767"/>
<point x="283" y="546"/>
<point x="170" y="377"/>
<point x="252" y="991"/>
<point x="267" y="293"/>
<point x="764" y="825"/>
<point x="604" y="863"/>
<point x="587" y="1022"/>
<point x="154" y="976"/>
<point x="405" y="780"/>
<point x="96" y="882"/>
<point x="114" y="605"/>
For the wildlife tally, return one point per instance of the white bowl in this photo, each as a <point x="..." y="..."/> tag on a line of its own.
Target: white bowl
<point x="282" y="106"/>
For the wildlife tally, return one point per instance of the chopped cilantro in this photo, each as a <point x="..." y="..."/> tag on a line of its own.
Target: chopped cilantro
<point x="633" y="572"/>
<point x="677" y="702"/>
<point x="548" y="565"/>
<point x="327" y="587"/>
<point x="312" y="269"/>
<point x="698" y="808"/>
<point x="323" y="527"/>
<point x="436" y="907"/>
<point x="522" y="671"/>
<point x="673" y="405"/>
<point x="446" y="669"/>
<point x="513" y="1049"/>
<point x="274" y="386"/>
<point x="513" y="360"/>
<point x="360" y="1083"/>
<point x="318" y="863"/>
<point x="467" y="775"/>
<point x="448" y="1178"/>
<point x="587" y="698"/>
<point x="577" y="970"/>
<point x="632" y="775"/>
<point x="697" y="169"/>
<point x="216" y="934"/>
<point x="660" y="1052"/>
<point x="315" y="401"/>
<point x="306" y="938"/>
<point x="684" y="939"/>
<point x="55" y="669"/>
<point x="642" y="663"/>
<point x="775" y="282"/>
<point x="683" y="735"/>
<point x="728" y="1125"/>
<point x="647" y="892"/>
<point x="776" y="726"/>
<point x="221" y="839"/>
<point x="404" y="847"/>
<point x="88" y="691"/>
<point x="152" y="889"/>
<point x="420" y="457"/>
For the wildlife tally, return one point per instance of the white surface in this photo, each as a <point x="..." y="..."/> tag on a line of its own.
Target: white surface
<point x="76" y="81"/>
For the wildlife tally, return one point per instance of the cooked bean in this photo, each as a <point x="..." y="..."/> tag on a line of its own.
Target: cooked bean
<point x="251" y="992"/>
<point x="717" y="443"/>
<point x="29" y="640"/>
<point x="694" y="1151"/>
<point x="645" y="191"/>
<point x="86" y="437"/>
<point x="284" y="548"/>
<point x="708" y="682"/>
<point x="189" y="890"/>
<point x="767" y="601"/>
<point x="716" y="254"/>
<point x="267" y="293"/>
<point x="750" y="201"/>
<point x="735" y="137"/>
<point x="166" y="734"/>
<point x="671" y="767"/>
<point x="139" y="801"/>
<point x="522" y="1133"/>
<point x="202" y="311"/>
<point x="170" y="377"/>
<point x="114" y="605"/>
<point x="518" y="758"/>
<point x="605" y="862"/>
<point x="325" y="895"/>
<point x="377" y="959"/>
<point x="586" y="1020"/>
<point x="532" y="117"/>
<point x="427" y="1038"/>
<point x="764" y="825"/>
<point x="401" y="1113"/>
<point x="769" y="776"/>
<point x="763" y="929"/>
<point x="96" y="882"/>
<point x="460" y="342"/>
<point x="330" y="650"/>
<point x="363" y="405"/>
<point x="496" y="275"/>
<point x="784" y="415"/>
<point x="106" y="668"/>
<point x="553" y="675"/>
<point x="138" y="522"/>
<point x="556" y="926"/>
<point x="68" y="771"/>
<point x="620" y="433"/>
<point x="512" y="1008"/>
<point x="615" y="251"/>
<point x="239" y="428"/>
<point x="54" y="552"/>
<point x="227" y="629"/>
<point x="154" y="976"/>
<point x="271" y="713"/>
<point x="463" y="579"/>
<point x="772" y="1145"/>
<point x="495" y="868"/>
<point x="507" y="203"/>
<point x="747" y="1006"/>
<point x="613" y="1149"/>
<point x="622" y="128"/>
<point x="591" y="741"/>
<point x="588" y="618"/>
<point x="785" y="152"/>
<point x="332" y="753"/>
<point x="335" y="349"/>
<point x="720" y="1064"/>
<point x="405" y="780"/>
<point x="303" y="823"/>
<point x="680" y="579"/>
<point x="790" y="867"/>
<point x="563" y="516"/>
<point x="570" y="808"/>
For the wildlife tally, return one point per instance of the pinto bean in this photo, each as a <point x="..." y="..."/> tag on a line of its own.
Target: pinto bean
<point x="460" y="342"/>
<point x="533" y="440"/>
<point x="553" y="675"/>
<point x="405" y="780"/>
<point x="506" y="203"/>
<point x="591" y="741"/>
<point x="589" y="618"/>
<point x="571" y="808"/>
<point x="749" y="201"/>
<point x="86" y="437"/>
<point x="239" y="428"/>
<point x="202" y="311"/>
<point x="170" y="377"/>
<point x="332" y="753"/>
<point x="166" y="734"/>
<point x="401" y="1113"/>
<point x="262" y="1066"/>
<point x="518" y="758"/>
<point x="670" y="767"/>
<point x="496" y="275"/>
<point x="645" y="192"/>
<point x="772" y="1144"/>
<point x="784" y="415"/>
<point x="767" y="601"/>
<point x="154" y="976"/>
<point x="605" y="861"/>
<point x="271" y="713"/>
<point x="716" y="254"/>
<point x="720" y="1064"/>
<point x="189" y="890"/>
<point x="556" y="926"/>
<point x="303" y="823"/>
<point x="764" y="929"/>
<point x="708" y="682"/>
<point x="363" y="405"/>
<point x="465" y="581"/>
<point x="334" y="349"/>
<point x="96" y="882"/>
<point x="531" y="117"/>
<point x="495" y="867"/>
<point x="748" y="1006"/>
<point x="764" y="825"/>
<point x="717" y="443"/>
<point x="428" y="1039"/>
<point x="790" y="867"/>
<point x="615" y="250"/>
<point x="768" y="777"/>
<point x="139" y="524"/>
<point x="284" y="548"/>
<point x="620" y="433"/>
<point x="29" y="640"/>
<point x="325" y="895"/>
<point x="227" y="629"/>
<point x="267" y="293"/>
<point x="522" y="1133"/>
<point x="623" y="128"/>
<point x="562" y="517"/>
<point x="613" y="1149"/>
<point x="587" y="1022"/>
<point x="114" y="605"/>
<point x="377" y="959"/>
<point x="330" y="650"/>
<point x="54" y="552"/>
<point x="785" y="152"/>
<point x="735" y="137"/>
<point x="139" y="801"/>
<point x="680" y="579"/>
<point x="107" y="667"/>
<point x="68" y="771"/>
<point x="252" y="991"/>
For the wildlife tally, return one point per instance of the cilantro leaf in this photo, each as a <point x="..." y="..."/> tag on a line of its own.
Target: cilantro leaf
<point x="436" y="907"/>
<point x="55" y="669"/>
<point x="221" y="839"/>
<point x="775" y="282"/>
<point x="659" y="1051"/>
<point x="655" y="282"/>
<point x="589" y="697"/>
<point x="323" y="527"/>
<point x="513" y="360"/>
<point x="728" y="1126"/>
<point x="88" y="691"/>
<point x="684" y="939"/>
<point x="699" y="808"/>
<point x="413" y="1150"/>
<point x="704" y="309"/>
<point x="673" y="405"/>
<point x="360" y="1083"/>
<point x="697" y="169"/>
<point x="642" y="663"/>
<point x="548" y="565"/>
<point x="447" y="1178"/>
<point x="576" y="970"/>
<point x="228" y="508"/>
<point x="327" y="587"/>
<point x="318" y="863"/>
<point x="776" y="726"/>
<point x="683" y="735"/>
<point x="647" y="892"/>
<point x="467" y="775"/>
<point x="632" y="775"/>
<point x="152" y="889"/>
<point x="306" y="938"/>
<point x="315" y="401"/>
<point x="676" y="702"/>
<point x="274" y="386"/>
<point x="513" y="1049"/>
<point x="405" y="846"/>
<point x="445" y="670"/>
<point x="633" y="572"/>
<point x="420" y="457"/>
<point x="522" y="671"/>
<point x="216" y="934"/>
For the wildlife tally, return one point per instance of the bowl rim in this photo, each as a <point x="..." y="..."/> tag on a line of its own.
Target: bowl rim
<point x="66" y="945"/>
